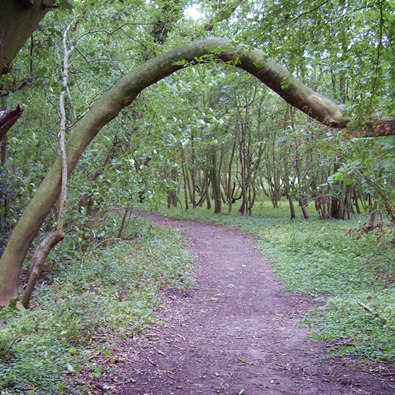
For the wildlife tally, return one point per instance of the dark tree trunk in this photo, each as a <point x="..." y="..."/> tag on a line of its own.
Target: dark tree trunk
<point x="8" y="118"/>
<point x="230" y="186"/>
<point x="172" y="193"/>
<point x="215" y="182"/>
<point x="4" y="150"/>
<point x="373" y="214"/>
<point x="18" y="20"/>
<point x="184" y="177"/>
<point x="301" y="194"/>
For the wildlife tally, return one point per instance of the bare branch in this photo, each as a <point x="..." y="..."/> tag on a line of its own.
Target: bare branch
<point x="309" y="11"/>
<point x="44" y="249"/>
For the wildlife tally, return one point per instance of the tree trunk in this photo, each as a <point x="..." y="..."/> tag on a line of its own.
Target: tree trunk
<point x="287" y="189"/>
<point x="120" y="96"/>
<point x="215" y="182"/>
<point x="230" y="185"/>
<point x="172" y="193"/>
<point x="40" y="256"/>
<point x="205" y="189"/>
<point x="4" y="150"/>
<point x="355" y="200"/>
<point x="7" y="119"/>
<point x="18" y="20"/>
<point x="193" y="171"/>
<point x="208" y="200"/>
<point x="243" y="177"/>
<point x="373" y="214"/>
<point x="38" y="262"/>
<point x="301" y="195"/>
<point x="184" y="177"/>
<point x="125" y="221"/>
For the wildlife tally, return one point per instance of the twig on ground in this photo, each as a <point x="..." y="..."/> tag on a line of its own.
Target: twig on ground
<point x="125" y="382"/>
<point x="371" y="311"/>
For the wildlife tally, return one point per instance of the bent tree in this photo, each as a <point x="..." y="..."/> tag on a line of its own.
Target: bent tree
<point x="122" y="94"/>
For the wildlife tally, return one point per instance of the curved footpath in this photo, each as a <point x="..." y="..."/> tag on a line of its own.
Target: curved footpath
<point x="236" y="331"/>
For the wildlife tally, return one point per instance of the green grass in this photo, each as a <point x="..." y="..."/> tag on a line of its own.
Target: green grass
<point x="319" y="258"/>
<point x="111" y="292"/>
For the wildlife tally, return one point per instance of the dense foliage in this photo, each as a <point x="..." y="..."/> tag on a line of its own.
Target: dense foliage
<point x="209" y="136"/>
<point x="211" y="130"/>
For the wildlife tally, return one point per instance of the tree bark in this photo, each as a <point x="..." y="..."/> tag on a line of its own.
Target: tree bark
<point x="215" y="181"/>
<point x="38" y="262"/>
<point x="7" y="119"/>
<point x="4" y="150"/>
<point x="18" y="20"/>
<point x="230" y="187"/>
<point x="373" y="214"/>
<point x="40" y="256"/>
<point x="172" y="193"/>
<point x="121" y="95"/>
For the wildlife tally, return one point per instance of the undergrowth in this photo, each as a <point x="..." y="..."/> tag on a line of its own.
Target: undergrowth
<point x="353" y="277"/>
<point x="110" y="292"/>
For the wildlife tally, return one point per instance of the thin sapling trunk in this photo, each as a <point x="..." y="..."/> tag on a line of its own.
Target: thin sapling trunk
<point x="52" y="239"/>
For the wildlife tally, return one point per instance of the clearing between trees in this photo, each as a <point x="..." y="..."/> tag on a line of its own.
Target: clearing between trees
<point x="236" y="331"/>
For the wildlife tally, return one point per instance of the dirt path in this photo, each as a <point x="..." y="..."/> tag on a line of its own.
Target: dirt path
<point x="237" y="331"/>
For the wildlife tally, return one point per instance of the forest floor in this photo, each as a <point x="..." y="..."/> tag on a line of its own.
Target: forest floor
<point x="237" y="330"/>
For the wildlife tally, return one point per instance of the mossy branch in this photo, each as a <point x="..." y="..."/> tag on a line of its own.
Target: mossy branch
<point x="122" y="94"/>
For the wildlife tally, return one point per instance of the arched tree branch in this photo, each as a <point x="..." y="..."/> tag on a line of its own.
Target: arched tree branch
<point x="121" y="95"/>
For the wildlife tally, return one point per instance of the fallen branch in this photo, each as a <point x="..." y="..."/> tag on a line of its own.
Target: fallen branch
<point x="130" y="380"/>
<point x="371" y="311"/>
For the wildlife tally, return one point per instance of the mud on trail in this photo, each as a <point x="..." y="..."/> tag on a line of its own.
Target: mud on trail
<point x="236" y="331"/>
